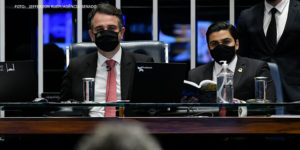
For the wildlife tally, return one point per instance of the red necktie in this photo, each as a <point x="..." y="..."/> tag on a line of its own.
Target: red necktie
<point x="111" y="90"/>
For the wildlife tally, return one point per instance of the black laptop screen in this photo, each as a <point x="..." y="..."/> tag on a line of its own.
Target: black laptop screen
<point x="158" y="82"/>
<point x="18" y="81"/>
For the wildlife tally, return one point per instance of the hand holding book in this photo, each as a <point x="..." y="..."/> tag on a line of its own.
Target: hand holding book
<point x="204" y="92"/>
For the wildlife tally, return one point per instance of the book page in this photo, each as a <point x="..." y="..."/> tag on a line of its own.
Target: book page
<point x="191" y="83"/>
<point x="207" y="82"/>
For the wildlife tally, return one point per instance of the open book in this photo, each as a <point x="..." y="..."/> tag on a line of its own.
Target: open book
<point x="204" y="92"/>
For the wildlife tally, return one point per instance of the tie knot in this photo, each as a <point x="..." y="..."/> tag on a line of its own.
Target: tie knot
<point x="273" y="11"/>
<point x="110" y="63"/>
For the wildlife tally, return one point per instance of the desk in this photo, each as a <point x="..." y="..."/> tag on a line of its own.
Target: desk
<point x="156" y="125"/>
<point x="172" y="132"/>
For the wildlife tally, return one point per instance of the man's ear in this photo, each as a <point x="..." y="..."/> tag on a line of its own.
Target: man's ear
<point x="122" y="32"/>
<point x="91" y="35"/>
<point x="237" y="45"/>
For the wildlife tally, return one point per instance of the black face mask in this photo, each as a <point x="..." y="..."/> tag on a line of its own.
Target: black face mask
<point x="107" y="40"/>
<point x="271" y="1"/>
<point x="223" y="52"/>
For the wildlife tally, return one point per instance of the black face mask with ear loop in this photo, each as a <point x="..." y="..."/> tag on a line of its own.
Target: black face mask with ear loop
<point x="107" y="40"/>
<point x="223" y="52"/>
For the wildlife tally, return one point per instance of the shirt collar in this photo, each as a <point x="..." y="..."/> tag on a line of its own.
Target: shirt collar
<point x="231" y="65"/>
<point x="117" y="57"/>
<point x="280" y="6"/>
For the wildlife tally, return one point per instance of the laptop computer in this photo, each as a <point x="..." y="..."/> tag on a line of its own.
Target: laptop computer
<point x="18" y="81"/>
<point x="158" y="82"/>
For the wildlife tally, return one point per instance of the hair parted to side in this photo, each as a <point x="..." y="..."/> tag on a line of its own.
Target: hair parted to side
<point x="218" y="26"/>
<point x="108" y="9"/>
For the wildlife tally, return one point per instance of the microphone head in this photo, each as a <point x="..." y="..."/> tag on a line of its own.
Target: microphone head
<point x="108" y="68"/>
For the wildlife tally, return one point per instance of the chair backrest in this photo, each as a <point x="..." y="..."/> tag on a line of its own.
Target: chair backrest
<point x="157" y="49"/>
<point x="277" y="81"/>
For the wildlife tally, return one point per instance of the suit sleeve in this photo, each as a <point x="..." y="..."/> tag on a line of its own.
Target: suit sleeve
<point x="66" y="85"/>
<point x="265" y="72"/>
<point x="243" y="36"/>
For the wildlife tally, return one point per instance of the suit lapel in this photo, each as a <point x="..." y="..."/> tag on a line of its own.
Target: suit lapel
<point x="289" y="22"/>
<point x="239" y="71"/>
<point x="260" y="26"/>
<point x="127" y="71"/>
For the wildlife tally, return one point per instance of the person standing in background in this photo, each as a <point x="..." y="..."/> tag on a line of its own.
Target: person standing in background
<point x="270" y="31"/>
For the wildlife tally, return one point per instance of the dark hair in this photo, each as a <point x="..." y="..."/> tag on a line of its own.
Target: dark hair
<point x="119" y="136"/>
<point x="215" y="27"/>
<point x="108" y="9"/>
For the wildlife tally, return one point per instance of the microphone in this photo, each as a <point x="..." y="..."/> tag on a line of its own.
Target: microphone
<point x="108" y="68"/>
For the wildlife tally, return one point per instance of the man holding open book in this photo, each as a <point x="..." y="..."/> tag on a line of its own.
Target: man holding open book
<point x="222" y="41"/>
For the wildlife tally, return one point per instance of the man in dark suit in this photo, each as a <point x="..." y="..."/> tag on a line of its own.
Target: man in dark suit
<point x="86" y="66"/>
<point x="223" y="43"/>
<point x="281" y="46"/>
<point x="112" y="68"/>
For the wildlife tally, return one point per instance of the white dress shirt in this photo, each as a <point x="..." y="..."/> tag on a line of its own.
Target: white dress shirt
<point x="280" y="16"/>
<point x="217" y="68"/>
<point x="101" y="81"/>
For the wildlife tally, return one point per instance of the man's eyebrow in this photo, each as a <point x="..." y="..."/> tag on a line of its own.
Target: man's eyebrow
<point x="98" y="27"/>
<point x="213" y="41"/>
<point x="101" y="26"/>
<point x="226" y="39"/>
<point x="217" y="41"/>
<point x="111" y="26"/>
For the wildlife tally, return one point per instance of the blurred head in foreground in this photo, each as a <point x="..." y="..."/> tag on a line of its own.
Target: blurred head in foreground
<point x="119" y="136"/>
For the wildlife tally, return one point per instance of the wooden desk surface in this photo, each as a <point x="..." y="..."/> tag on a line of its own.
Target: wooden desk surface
<point x="156" y="125"/>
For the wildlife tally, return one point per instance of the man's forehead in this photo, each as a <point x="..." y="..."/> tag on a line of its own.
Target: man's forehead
<point x="220" y="35"/>
<point x="101" y="18"/>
